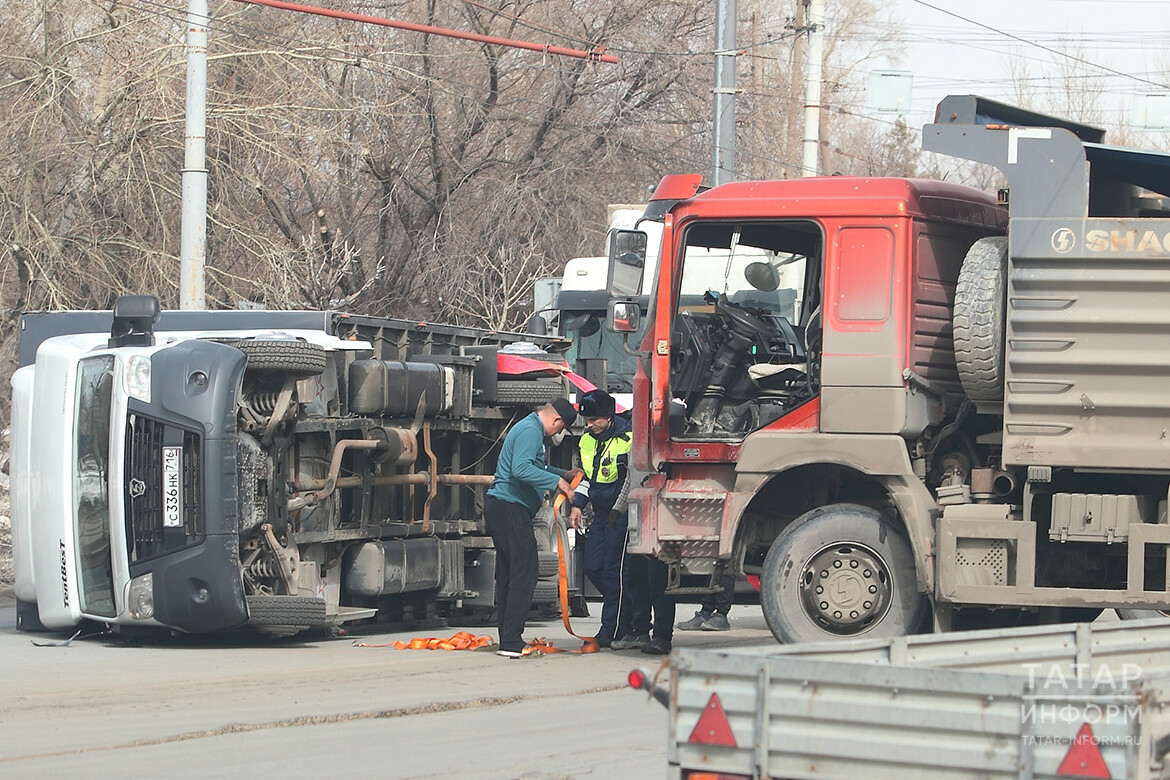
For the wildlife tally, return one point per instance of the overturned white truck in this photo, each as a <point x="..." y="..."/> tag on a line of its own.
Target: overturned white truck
<point x="209" y="471"/>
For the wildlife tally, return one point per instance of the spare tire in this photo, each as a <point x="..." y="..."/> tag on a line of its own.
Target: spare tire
<point x="529" y="393"/>
<point x="979" y="322"/>
<point x="293" y="357"/>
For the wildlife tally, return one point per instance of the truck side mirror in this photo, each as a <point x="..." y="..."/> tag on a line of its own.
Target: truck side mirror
<point x="627" y="259"/>
<point x="623" y="317"/>
<point x="134" y="319"/>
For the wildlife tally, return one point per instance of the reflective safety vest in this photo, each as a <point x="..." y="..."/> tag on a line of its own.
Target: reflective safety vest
<point x="601" y="467"/>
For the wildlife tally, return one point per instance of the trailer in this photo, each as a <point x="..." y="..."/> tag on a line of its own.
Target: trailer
<point x="1074" y="700"/>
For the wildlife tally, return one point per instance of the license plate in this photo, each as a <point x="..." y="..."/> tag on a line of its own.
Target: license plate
<point x="172" y="458"/>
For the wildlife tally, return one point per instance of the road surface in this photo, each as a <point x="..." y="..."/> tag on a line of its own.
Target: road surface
<point x="255" y="707"/>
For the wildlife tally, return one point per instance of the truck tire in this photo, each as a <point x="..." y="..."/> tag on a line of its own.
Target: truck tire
<point x="512" y="392"/>
<point x="841" y="571"/>
<point x="545" y="531"/>
<point x="286" y="611"/>
<point x="1141" y="614"/>
<point x="546" y="592"/>
<point x="549" y="564"/>
<point x="979" y="320"/>
<point x="292" y="357"/>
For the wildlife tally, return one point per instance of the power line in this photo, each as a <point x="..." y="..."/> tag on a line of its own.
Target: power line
<point x="1038" y="45"/>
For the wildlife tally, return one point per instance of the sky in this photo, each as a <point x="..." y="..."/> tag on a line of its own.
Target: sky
<point x="961" y="47"/>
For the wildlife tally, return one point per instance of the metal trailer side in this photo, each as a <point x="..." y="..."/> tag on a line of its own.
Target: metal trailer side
<point x="1071" y="700"/>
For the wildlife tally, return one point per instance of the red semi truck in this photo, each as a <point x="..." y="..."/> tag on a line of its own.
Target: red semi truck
<point x="901" y="401"/>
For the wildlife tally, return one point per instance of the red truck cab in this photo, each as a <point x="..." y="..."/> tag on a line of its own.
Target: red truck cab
<point x="799" y="329"/>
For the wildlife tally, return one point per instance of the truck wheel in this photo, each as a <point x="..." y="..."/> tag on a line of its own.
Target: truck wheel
<point x="513" y="392"/>
<point x="549" y="564"/>
<point x="841" y="571"/>
<point x="545" y="531"/>
<point x="286" y="611"/>
<point x="293" y="357"/>
<point x="546" y="592"/>
<point x="1141" y="614"/>
<point x="979" y="320"/>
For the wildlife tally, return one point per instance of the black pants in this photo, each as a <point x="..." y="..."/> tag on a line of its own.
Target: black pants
<point x="517" y="567"/>
<point x="721" y="601"/>
<point x="647" y="588"/>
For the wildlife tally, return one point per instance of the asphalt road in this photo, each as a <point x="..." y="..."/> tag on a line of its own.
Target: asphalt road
<point x="255" y="707"/>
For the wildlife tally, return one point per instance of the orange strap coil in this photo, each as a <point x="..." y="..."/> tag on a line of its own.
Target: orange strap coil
<point x="461" y="641"/>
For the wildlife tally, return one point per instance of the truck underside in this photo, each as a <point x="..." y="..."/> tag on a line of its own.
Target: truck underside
<point x="324" y="485"/>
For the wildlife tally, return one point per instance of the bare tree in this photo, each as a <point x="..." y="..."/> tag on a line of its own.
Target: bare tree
<point x="774" y="66"/>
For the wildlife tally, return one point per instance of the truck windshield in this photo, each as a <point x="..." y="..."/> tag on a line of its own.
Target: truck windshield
<point x="91" y="485"/>
<point x="751" y="265"/>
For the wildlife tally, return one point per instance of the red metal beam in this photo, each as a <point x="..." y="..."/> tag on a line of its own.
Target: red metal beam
<point x="596" y="54"/>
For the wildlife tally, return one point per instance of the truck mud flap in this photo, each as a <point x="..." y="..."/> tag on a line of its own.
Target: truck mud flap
<point x="286" y="611"/>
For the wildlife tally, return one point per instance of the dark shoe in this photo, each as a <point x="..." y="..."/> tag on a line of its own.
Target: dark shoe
<point x="631" y="641"/>
<point x="603" y="641"/>
<point x="695" y="623"/>
<point x="510" y="653"/>
<point x="716" y="622"/>
<point x="657" y="647"/>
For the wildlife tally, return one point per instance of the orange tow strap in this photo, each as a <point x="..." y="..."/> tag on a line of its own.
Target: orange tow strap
<point x="589" y="643"/>
<point x="540" y="646"/>
<point x="461" y="641"/>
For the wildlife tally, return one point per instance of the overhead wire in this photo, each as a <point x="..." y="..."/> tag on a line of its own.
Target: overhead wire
<point x="455" y="86"/>
<point x="1039" y="45"/>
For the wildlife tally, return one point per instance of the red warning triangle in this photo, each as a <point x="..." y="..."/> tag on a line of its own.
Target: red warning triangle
<point x="713" y="728"/>
<point x="1084" y="757"/>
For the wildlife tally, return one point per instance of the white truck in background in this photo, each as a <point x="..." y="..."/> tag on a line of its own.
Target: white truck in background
<point x="574" y="307"/>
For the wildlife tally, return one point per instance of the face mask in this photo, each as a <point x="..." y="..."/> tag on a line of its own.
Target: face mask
<point x="557" y="437"/>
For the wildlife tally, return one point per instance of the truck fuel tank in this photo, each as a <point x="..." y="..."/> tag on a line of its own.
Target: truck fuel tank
<point x="391" y="566"/>
<point x="392" y="387"/>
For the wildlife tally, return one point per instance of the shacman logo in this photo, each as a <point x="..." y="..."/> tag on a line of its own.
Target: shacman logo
<point x="1063" y="240"/>
<point x="1146" y="242"/>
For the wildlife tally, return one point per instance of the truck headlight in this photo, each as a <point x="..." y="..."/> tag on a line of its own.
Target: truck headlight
<point x="136" y="376"/>
<point x="141" y="604"/>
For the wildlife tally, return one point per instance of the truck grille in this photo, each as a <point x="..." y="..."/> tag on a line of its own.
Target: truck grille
<point x="147" y="532"/>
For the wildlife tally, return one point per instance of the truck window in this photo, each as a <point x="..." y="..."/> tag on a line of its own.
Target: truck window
<point x="91" y="485"/>
<point x="745" y="296"/>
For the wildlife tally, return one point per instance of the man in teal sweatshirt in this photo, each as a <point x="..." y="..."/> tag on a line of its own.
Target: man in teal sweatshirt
<point x="522" y="477"/>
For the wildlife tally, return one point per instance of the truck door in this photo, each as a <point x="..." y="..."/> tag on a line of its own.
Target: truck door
<point x="745" y="331"/>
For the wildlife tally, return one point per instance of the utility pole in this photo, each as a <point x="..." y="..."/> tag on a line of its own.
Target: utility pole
<point x="812" y="92"/>
<point x="723" y="116"/>
<point x="193" y="234"/>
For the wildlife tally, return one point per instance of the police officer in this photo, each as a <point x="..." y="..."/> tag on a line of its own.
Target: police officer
<point x="604" y="449"/>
